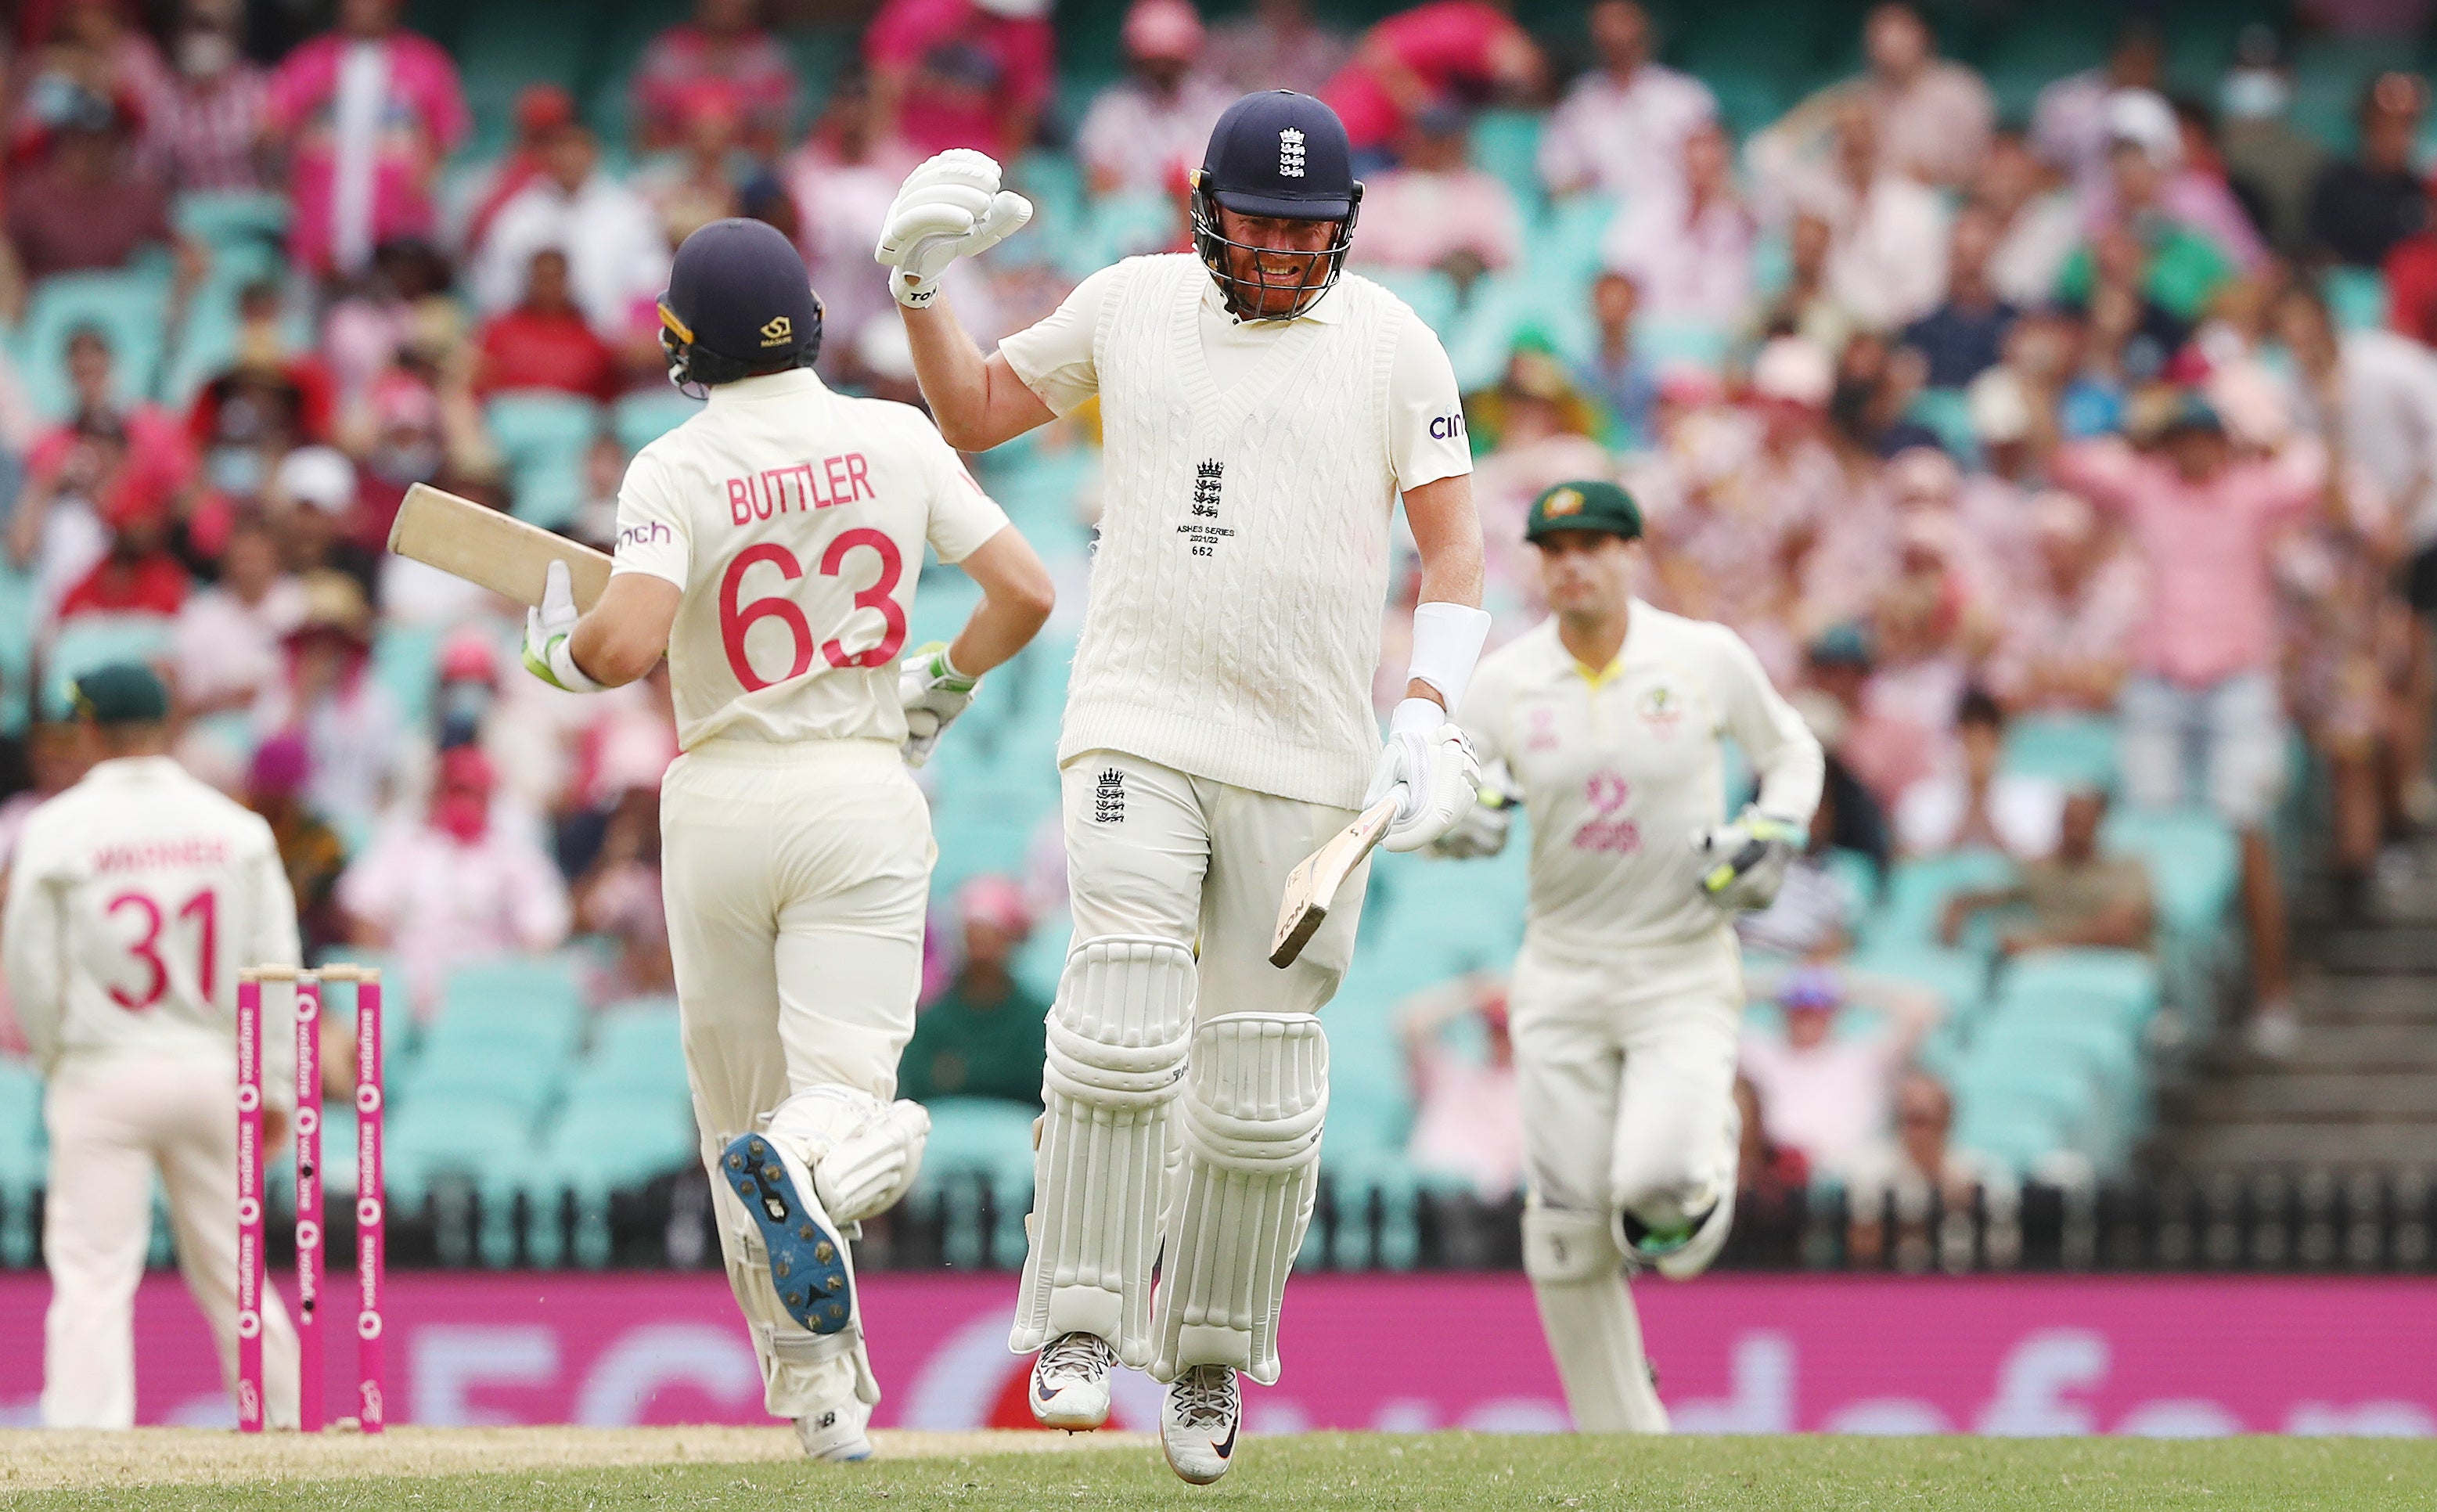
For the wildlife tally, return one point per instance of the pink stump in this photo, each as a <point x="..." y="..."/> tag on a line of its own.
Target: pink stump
<point x="308" y="1205"/>
<point x="371" y="1205"/>
<point x="249" y="1206"/>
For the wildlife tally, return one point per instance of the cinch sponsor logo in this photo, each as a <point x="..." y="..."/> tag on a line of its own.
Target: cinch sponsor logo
<point x="1447" y="427"/>
<point x="832" y="481"/>
<point x="650" y="533"/>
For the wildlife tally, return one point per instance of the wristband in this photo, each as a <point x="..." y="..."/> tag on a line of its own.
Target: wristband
<point x="1447" y="639"/>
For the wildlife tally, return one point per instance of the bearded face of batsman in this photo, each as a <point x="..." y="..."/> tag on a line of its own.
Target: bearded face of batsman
<point x="1262" y="412"/>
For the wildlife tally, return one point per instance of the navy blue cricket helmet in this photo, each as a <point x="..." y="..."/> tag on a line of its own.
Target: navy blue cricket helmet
<point x="739" y="302"/>
<point x="1278" y="154"/>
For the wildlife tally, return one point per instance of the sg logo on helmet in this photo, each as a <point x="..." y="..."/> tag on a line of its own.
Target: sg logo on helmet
<point x="779" y="328"/>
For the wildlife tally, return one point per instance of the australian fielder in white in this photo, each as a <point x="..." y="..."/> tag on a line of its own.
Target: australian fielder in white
<point x="769" y="546"/>
<point x="1607" y="721"/>
<point x="135" y="898"/>
<point x="1261" y="416"/>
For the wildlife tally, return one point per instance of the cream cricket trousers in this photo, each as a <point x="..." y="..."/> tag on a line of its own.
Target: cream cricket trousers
<point x="794" y="879"/>
<point x="1625" y="1069"/>
<point x="112" y="1123"/>
<point x="1151" y="851"/>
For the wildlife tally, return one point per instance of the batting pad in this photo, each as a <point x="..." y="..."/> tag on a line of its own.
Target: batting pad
<point x="865" y="1154"/>
<point x="1253" y="1111"/>
<point x="1117" y="1041"/>
<point x="1578" y="1280"/>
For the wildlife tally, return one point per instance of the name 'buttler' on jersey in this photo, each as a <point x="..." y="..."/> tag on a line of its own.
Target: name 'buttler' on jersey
<point x="1619" y="766"/>
<point x="794" y="519"/>
<point x="1250" y="472"/>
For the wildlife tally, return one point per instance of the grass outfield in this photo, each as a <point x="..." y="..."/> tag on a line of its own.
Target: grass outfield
<point x="667" y="1471"/>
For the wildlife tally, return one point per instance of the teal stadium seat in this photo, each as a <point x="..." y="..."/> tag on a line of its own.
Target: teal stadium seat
<point x="626" y="1121"/>
<point x="543" y="435"/>
<point x="640" y="418"/>
<point x="129" y="306"/>
<point x="979" y="1143"/>
<point x="22" y="1161"/>
<point x="1917" y="890"/>
<point x="91" y="641"/>
<point x="2071" y="750"/>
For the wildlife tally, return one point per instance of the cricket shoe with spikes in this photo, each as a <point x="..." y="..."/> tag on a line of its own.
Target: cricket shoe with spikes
<point x="1070" y="1382"/>
<point x="809" y="1268"/>
<point x="835" y="1434"/>
<point x="1198" y="1423"/>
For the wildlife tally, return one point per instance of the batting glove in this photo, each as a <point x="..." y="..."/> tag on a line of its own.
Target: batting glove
<point x="1482" y="830"/>
<point x="546" y="628"/>
<point x="1743" y="864"/>
<point x="1429" y="765"/>
<point x="934" y="693"/>
<point x="950" y="207"/>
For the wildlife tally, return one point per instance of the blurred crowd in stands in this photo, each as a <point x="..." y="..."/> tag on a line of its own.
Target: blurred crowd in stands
<point x="2124" y="409"/>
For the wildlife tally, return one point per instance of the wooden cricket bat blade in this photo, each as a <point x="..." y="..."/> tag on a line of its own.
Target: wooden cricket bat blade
<point x="498" y="552"/>
<point x="1312" y="886"/>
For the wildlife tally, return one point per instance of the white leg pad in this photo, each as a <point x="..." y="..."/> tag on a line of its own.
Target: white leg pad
<point x="1117" y="1041"/>
<point x="1254" y="1104"/>
<point x="803" y="1373"/>
<point x="1578" y="1280"/>
<point x="863" y="1154"/>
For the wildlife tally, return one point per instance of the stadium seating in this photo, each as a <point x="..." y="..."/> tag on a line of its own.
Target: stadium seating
<point x="542" y="436"/>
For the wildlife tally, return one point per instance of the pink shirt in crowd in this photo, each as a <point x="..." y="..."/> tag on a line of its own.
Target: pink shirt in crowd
<point x="420" y="119"/>
<point x="970" y="71"/>
<point x="444" y="902"/>
<point x="1830" y="1101"/>
<point x="680" y="60"/>
<point x="1444" y="43"/>
<point x="2212" y="598"/>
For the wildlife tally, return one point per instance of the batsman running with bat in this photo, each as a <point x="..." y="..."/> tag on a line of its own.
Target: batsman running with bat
<point x="1261" y="413"/>
<point x="1608" y="721"/>
<point x="769" y="547"/>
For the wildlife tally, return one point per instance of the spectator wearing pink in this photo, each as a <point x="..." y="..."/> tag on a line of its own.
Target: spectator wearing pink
<point x="1887" y="249"/>
<point x="91" y="46"/>
<point x="1885" y="750"/>
<point x="327" y="693"/>
<point x="1468" y="1112"/>
<point x="367" y="112"/>
<point x="1933" y="117"/>
<point x="54" y="529"/>
<point x="203" y="123"/>
<point x="1686" y="242"/>
<point x="449" y="886"/>
<point x="1826" y="1091"/>
<point x="86" y="207"/>
<point x="2204" y="690"/>
<point x="701" y="179"/>
<point x="844" y="178"/>
<point x="2185" y="179"/>
<point x="2071" y="615"/>
<point x="2069" y="121"/>
<point x="1622" y="127"/>
<point x="545" y="344"/>
<point x="1276" y="45"/>
<point x="961" y="73"/>
<point x="1446" y="49"/>
<point x="616" y="255"/>
<point x="227" y="645"/>
<point x="725" y="43"/>
<point x="1145" y="132"/>
<point x="1434" y="209"/>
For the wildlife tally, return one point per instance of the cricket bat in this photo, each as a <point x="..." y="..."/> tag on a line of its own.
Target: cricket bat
<point x="1312" y="886"/>
<point x="491" y="550"/>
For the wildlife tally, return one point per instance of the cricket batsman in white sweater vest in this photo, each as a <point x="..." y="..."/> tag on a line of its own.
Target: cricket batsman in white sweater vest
<point x="1606" y="720"/>
<point x="134" y="899"/>
<point x="769" y="546"/>
<point x="1261" y="415"/>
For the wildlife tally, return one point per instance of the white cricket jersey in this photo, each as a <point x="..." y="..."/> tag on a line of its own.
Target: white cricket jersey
<point x="1250" y="479"/>
<point x="1619" y="767"/>
<point x="134" y="897"/>
<point x="794" y="519"/>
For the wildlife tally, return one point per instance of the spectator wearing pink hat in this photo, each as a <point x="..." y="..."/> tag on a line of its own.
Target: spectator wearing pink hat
<point x="985" y="1036"/>
<point x="961" y="73"/>
<point x="449" y="886"/>
<point x="1146" y="133"/>
<point x="366" y="113"/>
<point x="309" y="850"/>
<point x="725" y="44"/>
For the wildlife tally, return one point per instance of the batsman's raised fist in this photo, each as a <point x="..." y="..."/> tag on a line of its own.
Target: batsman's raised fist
<point x="948" y="208"/>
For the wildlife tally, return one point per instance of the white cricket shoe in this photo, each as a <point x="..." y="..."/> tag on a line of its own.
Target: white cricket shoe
<point x="1070" y="1382"/>
<point x="1198" y="1423"/>
<point x="836" y="1435"/>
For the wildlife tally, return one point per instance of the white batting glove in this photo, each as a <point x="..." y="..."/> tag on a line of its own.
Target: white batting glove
<point x="1430" y="766"/>
<point x="934" y="693"/>
<point x="546" y="628"/>
<point x="1482" y="830"/>
<point x="1743" y="864"/>
<point x="950" y="207"/>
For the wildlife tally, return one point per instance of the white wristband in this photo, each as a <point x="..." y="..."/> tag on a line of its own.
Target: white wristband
<point x="1447" y="639"/>
<point x="562" y="666"/>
